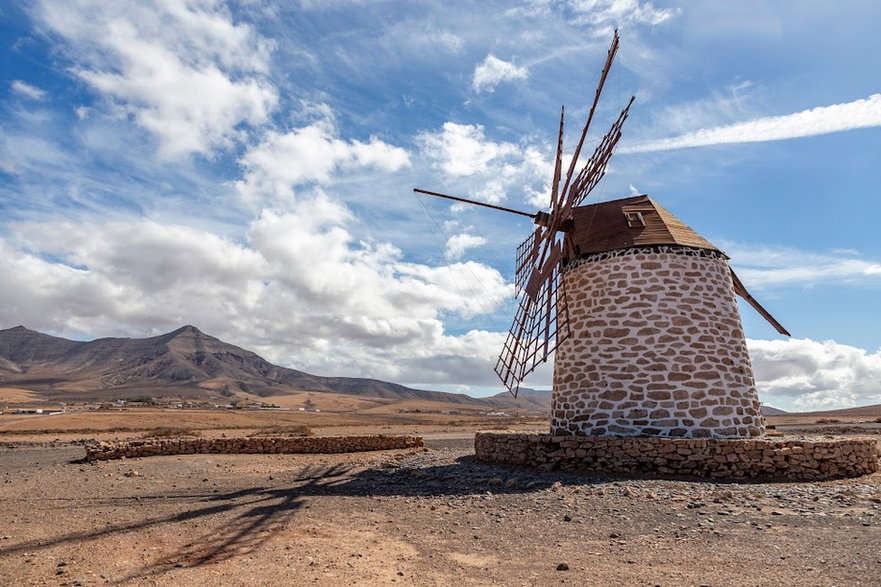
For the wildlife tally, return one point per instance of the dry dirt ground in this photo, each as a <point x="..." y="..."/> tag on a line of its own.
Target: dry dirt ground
<point x="432" y="516"/>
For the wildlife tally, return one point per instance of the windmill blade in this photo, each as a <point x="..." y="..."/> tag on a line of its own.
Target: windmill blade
<point x="527" y="253"/>
<point x="541" y="274"/>
<point x="473" y="202"/>
<point x="541" y="323"/>
<point x="610" y="57"/>
<point x="558" y="167"/>
<point x="587" y="179"/>
<point x="740" y="290"/>
<point x="595" y="168"/>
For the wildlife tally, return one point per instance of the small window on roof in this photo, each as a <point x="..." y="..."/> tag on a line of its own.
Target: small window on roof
<point x="634" y="219"/>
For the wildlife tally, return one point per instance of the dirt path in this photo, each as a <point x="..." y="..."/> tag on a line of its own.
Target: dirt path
<point x="427" y="517"/>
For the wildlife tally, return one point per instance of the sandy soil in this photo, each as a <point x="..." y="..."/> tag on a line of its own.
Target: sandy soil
<point x="416" y="517"/>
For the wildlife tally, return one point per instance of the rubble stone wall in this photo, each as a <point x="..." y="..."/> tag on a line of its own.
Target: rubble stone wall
<point x="279" y="445"/>
<point x="700" y="457"/>
<point x="656" y="348"/>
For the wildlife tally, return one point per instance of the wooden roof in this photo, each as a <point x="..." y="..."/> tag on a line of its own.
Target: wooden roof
<point x="630" y="222"/>
<point x="637" y="222"/>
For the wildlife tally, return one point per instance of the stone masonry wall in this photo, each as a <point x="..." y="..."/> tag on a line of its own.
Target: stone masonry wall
<point x="285" y="445"/>
<point x="656" y="348"/>
<point x="701" y="457"/>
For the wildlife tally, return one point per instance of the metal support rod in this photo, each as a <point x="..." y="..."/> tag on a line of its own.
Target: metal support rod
<point x="503" y="209"/>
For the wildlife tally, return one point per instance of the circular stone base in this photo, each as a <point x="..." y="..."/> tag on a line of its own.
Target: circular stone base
<point x="761" y="458"/>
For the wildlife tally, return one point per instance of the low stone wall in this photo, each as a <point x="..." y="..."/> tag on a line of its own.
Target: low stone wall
<point x="277" y="445"/>
<point x="700" y="457"/>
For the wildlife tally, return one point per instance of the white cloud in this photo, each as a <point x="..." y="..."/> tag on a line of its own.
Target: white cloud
<point x="806" y="375"/>
<point x="22" y="152"/>
<point x="411" y="39"/>
<point x="27" y="90"/>
<point x="184" y="71"/>
<point x="761" y="266"/>
<point x="462" y="149"/>
<point x="310" y="154"/>
<point x="447" y="40"/>
<point x="495" y="169"/>
<point x="723" y="106"/>
<point x="459" y="243"/>
<point x="863" y="113"/>
<point x="604" y="15"/>
<point x="493" y="71"/>
<point x="300" y="289"/>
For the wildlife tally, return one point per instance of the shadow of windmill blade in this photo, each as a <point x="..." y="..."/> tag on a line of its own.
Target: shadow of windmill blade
<point x="259" y="515"/>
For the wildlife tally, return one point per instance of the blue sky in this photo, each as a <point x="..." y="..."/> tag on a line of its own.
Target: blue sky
<point x="247" y="167"/>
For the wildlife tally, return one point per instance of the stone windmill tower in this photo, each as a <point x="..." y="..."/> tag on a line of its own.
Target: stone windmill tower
<point x="655" y="344"/>
<point x="640" y="309"/>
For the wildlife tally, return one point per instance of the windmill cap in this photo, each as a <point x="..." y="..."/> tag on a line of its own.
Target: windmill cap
<point x="636" y="221"/>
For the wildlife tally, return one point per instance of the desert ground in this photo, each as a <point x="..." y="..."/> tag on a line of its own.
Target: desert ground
<point x="430" y="516"/>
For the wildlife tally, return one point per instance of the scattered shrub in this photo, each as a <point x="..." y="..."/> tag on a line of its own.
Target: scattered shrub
<point x="170" y="432"/>
<point x="296" y="430"/>
<point x="828" y="421"/>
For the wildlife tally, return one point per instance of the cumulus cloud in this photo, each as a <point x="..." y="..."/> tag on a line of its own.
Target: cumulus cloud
<point x="310" y="154"/>
<point x="459" y="243"/>
<point x="184" y="71"/>
<point x="463" y="149"/>
<point x="863" y="113"/>
<point x="492" y="71"/>
<point x="299" y="289"/>
<point x="495" y="168"/>
<point x="27" y="90"/>
<point x="807" y="375"/>
<point x="762" y="266"/>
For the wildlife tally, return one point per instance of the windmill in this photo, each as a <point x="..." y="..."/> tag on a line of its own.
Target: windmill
<point x="615" y="339"/>
<point x="541" y="322"/>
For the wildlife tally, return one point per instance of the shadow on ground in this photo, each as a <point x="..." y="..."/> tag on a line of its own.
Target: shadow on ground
<point x="251" y="516"/>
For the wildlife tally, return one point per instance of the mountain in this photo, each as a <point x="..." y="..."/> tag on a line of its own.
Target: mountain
<point x="873" y="411"/>
<point x="534" y="399"/>
<point x="190" y="363"/>
<point x="772" y="411"/>
<point x="528" y="392"/>
<point x="185" y="362"/>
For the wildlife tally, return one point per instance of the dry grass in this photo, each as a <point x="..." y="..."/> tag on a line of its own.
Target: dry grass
<point x="48" y="431"/>
<point x="171" y="432"/>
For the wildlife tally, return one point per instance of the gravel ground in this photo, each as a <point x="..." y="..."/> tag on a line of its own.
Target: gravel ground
<point x="417" y="517"/>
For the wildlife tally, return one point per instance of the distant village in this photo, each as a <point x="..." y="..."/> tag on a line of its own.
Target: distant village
<point x="155" y="403"/>
<point x="174" y="404"/>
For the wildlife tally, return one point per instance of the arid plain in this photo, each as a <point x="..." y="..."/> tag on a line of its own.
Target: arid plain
<point x="430" y="516"/>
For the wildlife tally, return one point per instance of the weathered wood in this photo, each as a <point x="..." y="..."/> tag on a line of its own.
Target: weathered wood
<point x="603" y="227"/>
<point x="740" y="290"/>
<point x="474" y="202"/>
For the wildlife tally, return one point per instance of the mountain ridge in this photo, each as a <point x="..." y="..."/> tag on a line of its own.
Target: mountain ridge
<point x="183" y="358"/>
